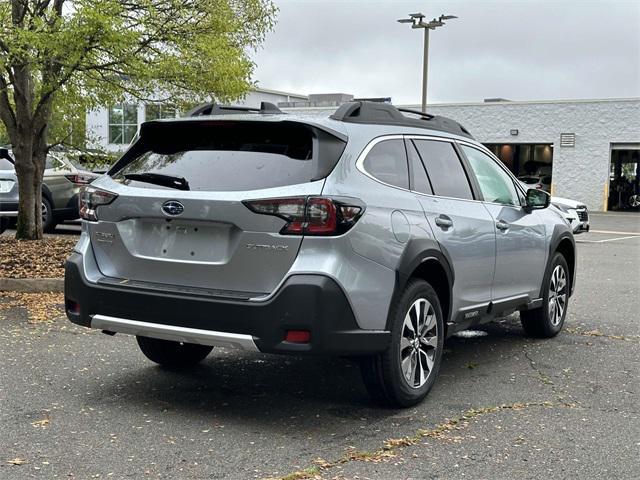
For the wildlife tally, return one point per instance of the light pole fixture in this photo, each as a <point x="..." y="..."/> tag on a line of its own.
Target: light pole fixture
<point x="417" y="21"/>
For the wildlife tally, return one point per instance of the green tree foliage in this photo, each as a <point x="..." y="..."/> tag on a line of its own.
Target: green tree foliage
<point x="60" y="58"/>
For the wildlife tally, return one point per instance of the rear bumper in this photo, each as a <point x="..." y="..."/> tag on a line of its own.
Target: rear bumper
<point x="8" y="209"/>
<point x="305" y="302"/>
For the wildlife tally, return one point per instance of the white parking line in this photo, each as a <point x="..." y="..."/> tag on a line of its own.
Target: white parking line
<point x="607" y="239"/>
<point x="615" y="233"/>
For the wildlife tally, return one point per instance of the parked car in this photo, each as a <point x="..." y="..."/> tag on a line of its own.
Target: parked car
<point x="542" y="182"/>
<point x="372" y="233"/>
<point x="574" y="212"/>
<point x="62" y="182"/>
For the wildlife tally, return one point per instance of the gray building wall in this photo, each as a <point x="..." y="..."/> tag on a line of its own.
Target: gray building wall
<point x="580" y="172"/>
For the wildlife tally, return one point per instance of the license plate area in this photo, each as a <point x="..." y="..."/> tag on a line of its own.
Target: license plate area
<point x="176" y="241"/>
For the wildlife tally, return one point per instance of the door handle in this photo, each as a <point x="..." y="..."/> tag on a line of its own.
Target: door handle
<point x="502" y="225"/>
<point x="444" y="222"/>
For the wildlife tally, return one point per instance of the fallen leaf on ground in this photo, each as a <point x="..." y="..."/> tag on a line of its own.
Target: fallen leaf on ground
<point x="41" y="423"/>
<point x="41" y="307"/>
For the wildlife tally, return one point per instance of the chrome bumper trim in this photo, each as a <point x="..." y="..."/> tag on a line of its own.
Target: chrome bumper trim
<point x="9" y="214"/>
<point x="173" y="333"/>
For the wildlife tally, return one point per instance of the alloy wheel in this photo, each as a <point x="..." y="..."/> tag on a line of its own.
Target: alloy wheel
<point x="45" y="213"/>
<point x="418" y="343"/>
<point x="557" y="295"/>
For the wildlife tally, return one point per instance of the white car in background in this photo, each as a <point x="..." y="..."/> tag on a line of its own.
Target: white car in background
<point x="574" y="212"/>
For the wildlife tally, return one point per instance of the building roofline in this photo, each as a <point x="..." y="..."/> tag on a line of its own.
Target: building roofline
<point x="526" y="102"/>
<point x="279" y="92"/>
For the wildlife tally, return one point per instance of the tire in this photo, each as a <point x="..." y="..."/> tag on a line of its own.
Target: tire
<point x="4" y="224"/>
<point x="172" y="354"/>
<point x="48" y="223"/>
<point x="384" y="374"/>
<point x="547" y="320"/>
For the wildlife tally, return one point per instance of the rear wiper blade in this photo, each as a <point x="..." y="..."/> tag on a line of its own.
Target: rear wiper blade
<point x="179" y="183"/>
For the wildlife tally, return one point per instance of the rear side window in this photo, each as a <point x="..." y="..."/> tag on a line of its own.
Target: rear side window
<point x="387" y="161"/>
<point x="230" y="156"/>
<point x="444" y="168"/>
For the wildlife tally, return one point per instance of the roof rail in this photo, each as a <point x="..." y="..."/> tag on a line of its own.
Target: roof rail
<point x="386" y="114"/>
<point x="212" y="108"/>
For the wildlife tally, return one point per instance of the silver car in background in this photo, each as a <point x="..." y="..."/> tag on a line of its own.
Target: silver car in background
<point x="372" y="232"/>
<point x="62" y="183"/>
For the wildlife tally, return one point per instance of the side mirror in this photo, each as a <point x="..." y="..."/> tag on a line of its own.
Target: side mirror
<point x="537" y="199"/>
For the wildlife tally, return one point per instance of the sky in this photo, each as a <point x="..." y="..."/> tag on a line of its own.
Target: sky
<point x="515" y="49"/>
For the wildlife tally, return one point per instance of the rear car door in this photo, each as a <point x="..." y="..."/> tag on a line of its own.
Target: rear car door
<point x="520" y="237"/>
<point x="182" y="218"/>
<point x="463" y="227"/>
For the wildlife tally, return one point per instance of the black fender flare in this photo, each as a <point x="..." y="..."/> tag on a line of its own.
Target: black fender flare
<point x="560" y="234"/>
<point x="417" y="252"/>
<point x="46" y="193"/>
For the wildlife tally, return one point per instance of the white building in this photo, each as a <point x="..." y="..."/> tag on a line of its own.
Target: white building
<point x="112" y="128"/>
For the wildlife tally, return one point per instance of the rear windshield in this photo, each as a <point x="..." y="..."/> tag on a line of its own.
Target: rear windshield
<point x="225" y="156"/>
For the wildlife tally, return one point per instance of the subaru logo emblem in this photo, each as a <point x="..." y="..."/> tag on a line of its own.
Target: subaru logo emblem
<point x="172" y="208"/>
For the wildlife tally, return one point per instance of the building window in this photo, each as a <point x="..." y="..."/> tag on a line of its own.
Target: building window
<point x="123" y="123"/>
<point x="156" y="111"/>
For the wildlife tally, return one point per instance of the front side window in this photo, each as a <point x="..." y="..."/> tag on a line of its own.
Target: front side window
<point x="495" y="184"/>
<point x="123" y="123"/>
<point x="387" y="162"/>
<point x="445" y="171"/>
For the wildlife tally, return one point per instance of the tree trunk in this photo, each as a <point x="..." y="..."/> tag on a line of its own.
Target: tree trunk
<point x="30" y="155"/>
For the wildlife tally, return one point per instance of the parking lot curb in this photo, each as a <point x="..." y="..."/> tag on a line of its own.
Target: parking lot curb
<point x="32" y="285"/>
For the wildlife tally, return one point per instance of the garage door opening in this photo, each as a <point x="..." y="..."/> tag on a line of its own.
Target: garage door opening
<point x="624" y="177"/>
<point x="532" y="163"/>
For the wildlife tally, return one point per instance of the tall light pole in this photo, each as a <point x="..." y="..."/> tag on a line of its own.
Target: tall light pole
<point x="417" y="21"/>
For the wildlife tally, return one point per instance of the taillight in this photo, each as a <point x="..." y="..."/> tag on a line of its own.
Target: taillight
<point x="322" y="216"/>
<point x="90" y="199"/>
<point x="81" y="179"/>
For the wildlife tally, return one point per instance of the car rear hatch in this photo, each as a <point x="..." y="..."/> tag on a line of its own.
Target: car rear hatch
<point x="179" y="223"/>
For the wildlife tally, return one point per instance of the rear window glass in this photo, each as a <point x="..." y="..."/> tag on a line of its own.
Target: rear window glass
<point x="227" y="156"/>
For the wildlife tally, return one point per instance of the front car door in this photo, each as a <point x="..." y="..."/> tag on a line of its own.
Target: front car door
<point x="521" y="252"/>
<point x="461" y="224"/>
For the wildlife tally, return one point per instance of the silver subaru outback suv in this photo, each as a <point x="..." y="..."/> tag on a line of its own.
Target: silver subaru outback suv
<point x="371" y="232"/>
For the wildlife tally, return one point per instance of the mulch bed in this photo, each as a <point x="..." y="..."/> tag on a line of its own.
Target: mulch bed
<point x="34" y="259"/>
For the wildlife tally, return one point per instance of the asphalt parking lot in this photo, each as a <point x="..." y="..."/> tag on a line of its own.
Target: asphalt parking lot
<point x="77" y="404"/>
